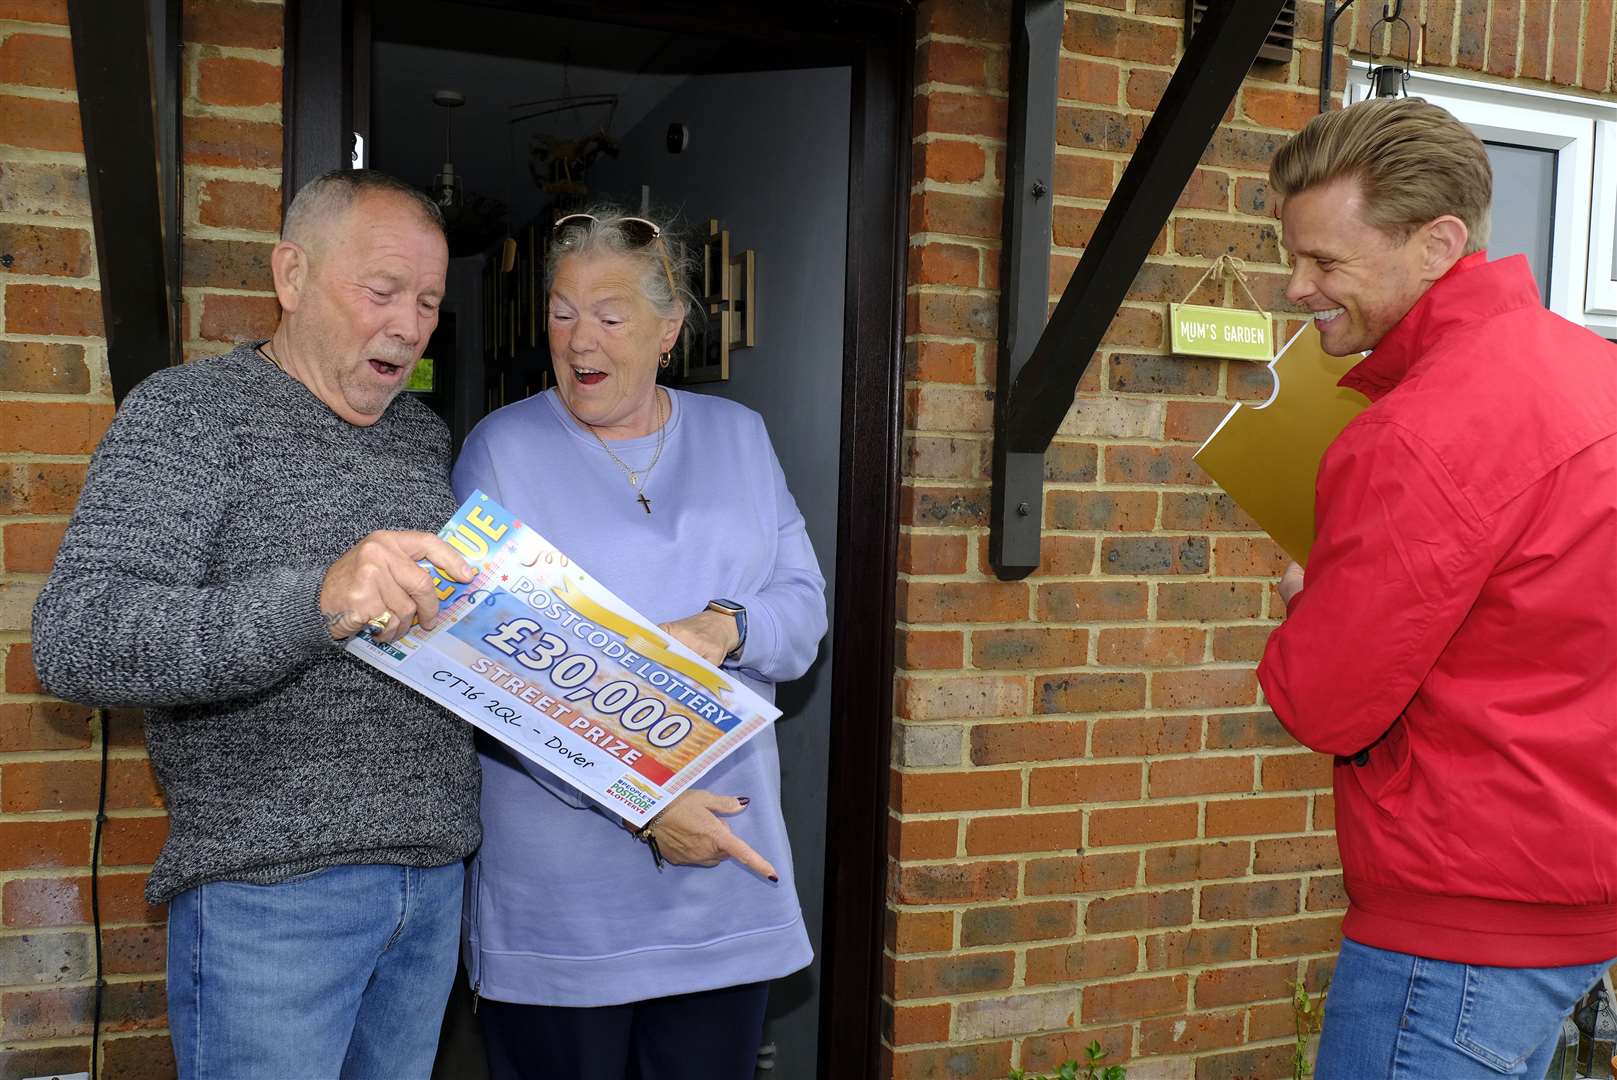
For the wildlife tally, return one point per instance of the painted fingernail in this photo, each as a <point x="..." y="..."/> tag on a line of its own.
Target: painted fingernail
<point x="743" y="800"/>
<point x="774" y="879"/>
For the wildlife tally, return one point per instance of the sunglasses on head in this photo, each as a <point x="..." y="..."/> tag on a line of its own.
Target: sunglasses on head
<point x="636" y="230"/>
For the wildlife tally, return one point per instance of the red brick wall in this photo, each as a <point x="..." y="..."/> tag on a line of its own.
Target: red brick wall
<point x="1099" y="830"/>
<point x="55" y="402"/>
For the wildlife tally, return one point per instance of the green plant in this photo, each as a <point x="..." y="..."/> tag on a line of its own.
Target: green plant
<point x="1092" y="1068"/>
<point x="1308" y="1017"/>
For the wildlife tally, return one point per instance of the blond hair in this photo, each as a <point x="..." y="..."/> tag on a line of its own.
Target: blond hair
<point x="1414" y="162"/>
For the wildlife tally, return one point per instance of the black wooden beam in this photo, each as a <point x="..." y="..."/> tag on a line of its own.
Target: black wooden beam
<point x="117" y="115"/>
<point x="1033" y="406"/>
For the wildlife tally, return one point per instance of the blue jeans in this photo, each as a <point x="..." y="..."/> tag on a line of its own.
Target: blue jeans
<point x="1393" y="1016"/>
<point x="340" y="973"/>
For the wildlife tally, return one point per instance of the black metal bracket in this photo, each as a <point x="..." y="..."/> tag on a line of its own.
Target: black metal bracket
<point x="1030" y="406"/>
<point x="121" y="158"/>
<point x="1327" y="50"/>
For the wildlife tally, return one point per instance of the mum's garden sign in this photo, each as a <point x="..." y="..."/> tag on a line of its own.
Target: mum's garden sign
<point x="1227" y="333"/>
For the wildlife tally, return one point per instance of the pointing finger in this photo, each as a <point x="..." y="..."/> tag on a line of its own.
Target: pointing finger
<point x="739" y="850"/>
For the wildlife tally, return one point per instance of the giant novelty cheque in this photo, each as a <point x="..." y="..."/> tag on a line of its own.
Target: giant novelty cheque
<point x="544" y="658"/>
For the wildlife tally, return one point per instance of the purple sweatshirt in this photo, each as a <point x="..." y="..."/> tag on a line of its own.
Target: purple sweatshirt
<point x="563" y="907"/>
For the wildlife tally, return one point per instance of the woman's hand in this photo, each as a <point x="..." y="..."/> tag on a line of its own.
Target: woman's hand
<point x="1291" y="583"/>
<point x="691" y="832"/>
<point x="712" y="635"/>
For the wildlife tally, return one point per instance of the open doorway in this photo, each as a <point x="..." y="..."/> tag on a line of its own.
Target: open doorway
<point x="789" y="129"/>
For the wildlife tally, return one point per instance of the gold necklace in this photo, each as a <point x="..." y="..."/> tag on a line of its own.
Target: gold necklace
<point x="637" y="480"/>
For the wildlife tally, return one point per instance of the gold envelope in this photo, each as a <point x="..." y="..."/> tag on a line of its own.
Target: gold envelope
<point x="1267" y="456"/>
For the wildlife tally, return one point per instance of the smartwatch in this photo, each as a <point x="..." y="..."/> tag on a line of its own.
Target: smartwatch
<point x="739" y="614"/>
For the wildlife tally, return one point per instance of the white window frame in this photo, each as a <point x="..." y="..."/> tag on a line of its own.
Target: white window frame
<point x="1583" y="131"/>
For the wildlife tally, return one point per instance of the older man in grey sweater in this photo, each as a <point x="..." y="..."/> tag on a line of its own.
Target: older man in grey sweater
<point x="244" y="515"/>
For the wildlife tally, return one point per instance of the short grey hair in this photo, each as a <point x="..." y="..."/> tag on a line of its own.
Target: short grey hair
<point x="331" y="194"/>
<point x="665" y="267"/>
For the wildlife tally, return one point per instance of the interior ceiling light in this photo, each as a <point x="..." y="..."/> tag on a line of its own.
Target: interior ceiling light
<point x="446" y="190"/>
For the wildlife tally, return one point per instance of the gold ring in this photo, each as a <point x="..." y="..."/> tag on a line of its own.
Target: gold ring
<point x="379" y="623"/>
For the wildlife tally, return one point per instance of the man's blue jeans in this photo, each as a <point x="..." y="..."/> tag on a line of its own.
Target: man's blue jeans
<point x="340" y="973"/>
<point x="1393" y="1016"/>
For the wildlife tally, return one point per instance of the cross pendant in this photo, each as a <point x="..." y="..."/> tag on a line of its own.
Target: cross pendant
<point x="645" y="502"/>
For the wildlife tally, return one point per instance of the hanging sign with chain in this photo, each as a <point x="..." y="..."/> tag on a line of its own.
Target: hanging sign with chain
<point x="1228" y="333"/>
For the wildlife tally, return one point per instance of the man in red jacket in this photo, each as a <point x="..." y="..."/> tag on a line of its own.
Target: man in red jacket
<point x="1456" y="643"/>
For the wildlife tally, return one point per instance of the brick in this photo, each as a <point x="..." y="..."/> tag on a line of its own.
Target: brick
<point x="241" y="144"/>
<point x="1093" y="958"/>
<point x="1249" y="900"/>
<point x="30" y="547"/>
<point x="955" y="315"/>
<point x="1100" y="511"/>
<point x="1097" y="34"/>
<point x="952" y="408"/>
<point x="238" y="204"/>
<point x="1192" y="421"/>
<point x="27" y="845"/>
<point x="1038" y="740"/>
<point x="1296" y="854"/>
<point x="1597" y="48"/>
<point x="1139" y="911"/>
<point x="51" y="427"/>
<point x="937" y="361"/>
<point x="53" y="310"/>
<point x="34" y="902"/>
<point x="146" y="1057"/>
<point x="958" y="1062"/>
<point x="912" y="1024"/>
<point x="1243" y="731"/>
<point x="1090" y="602"/>
<point x="234" y="81"/>
<point x="1084" y="128"/>
<point x="233" y="22"/>
<point x="953" y="63"/>
<point x="44" y="1060"/>
<point x="1059" y="556"/>
<point x="228" y="264"/>
<point x="44" y="725"/>
<point x="930" y="793"/>
<point x="1083" y="79"/>
<point x="1155" y="465"/>
<point x="1241" y="643"/>
<point x="961" y="697"/>
<point x="1134" y="327"/>
<point x="924" y="649"/>
<point x="1138" y="736"/>
<point x="1300" y="937"/>
<point x="1150" y="646"/>
<point x="956" y="883"/>
<point x="1114" y="418"/>
<point x="1072" y="227"/>
<point x="1047" y="1053"/>
<point x="1004" y="924"/>
<point x="945" y="264"/>
<point x="40" y="124"/>
<point x="1248" y="556"/>
<point x="1197" y="862"/>
<point x="1252" y="196"/>
<point x="39" y="367"/>
<point x="1104" y="872"/>
<point x="1080" y="176"/>
<point x="943" y="457"/>
<point x="27" y="786"/>
<point x="1084" y="693"/>
<point x="1176" y="777"/>
<point x="1564" y="38"/>
<point x="123" y="899"/>
<point x="1239" y="985"/>
<point x="1324" y="818"/>
<point x="1136" y="374"/>
<point x="20" y="677"/>
<point x="135" y="950"/>
<point x="1535" y="40"/>
<point x="947" y="112"/>
<point x="930" y="553"/>
<point x="1070" y="785"/>
<point x="1201" y="947"/>
<point x="1296" y="772"/>
<point x="923" y="745"/>
<point x="16" y="610"/>
<point x="911" y="839"/>
<point x="1503" y="45"/>
<point x="1209" y="601"/>
<point x="1133" y="999"/>
<point x="1471" y="39"/>
<point x="44" y="189"/>
<point x="1207" y="190"/>
<point x="1256" y="816"/>
<point x="1207" y="239"/>
<point x="947" y="975"/>
<point x="931" y="507"/>
<point x="920" y="931"/>
<point x="132" y="841"/>
<point x="1142" y="824"/>
<point x="1206" y="511"/>
<point x="37" y="60"/>
<point x="1285" y="109"/>
<point x="1145" y="88"/>
<point x="50" y="1013"/>
<point x="973" y="601"/>
<point x="1192" y="1033"/>
<point x="1154" y="555"/>
<point x="1326" y="894"/>
<point x="40" y="958"/>
<point x="1005" y="834"/>
<point x="1161" y="282"/>
<point x="1204" y="688"/>
<point x="1245" y="1064"/>
<point x="1237" y="148"/>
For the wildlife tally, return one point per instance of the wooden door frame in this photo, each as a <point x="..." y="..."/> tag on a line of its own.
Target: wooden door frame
<point x="876" y="39"/>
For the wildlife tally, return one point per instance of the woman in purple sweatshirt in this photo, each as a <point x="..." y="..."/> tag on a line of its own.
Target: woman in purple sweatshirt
<point x="587" y="959"/>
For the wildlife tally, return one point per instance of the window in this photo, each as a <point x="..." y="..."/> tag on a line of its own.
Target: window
<point x="1555" y="184"/>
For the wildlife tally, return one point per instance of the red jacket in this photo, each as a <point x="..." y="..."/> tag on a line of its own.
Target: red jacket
<point x="1457" y="632"/>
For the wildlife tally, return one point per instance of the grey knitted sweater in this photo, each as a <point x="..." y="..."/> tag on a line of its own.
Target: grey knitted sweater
<point x="188" y="583"/>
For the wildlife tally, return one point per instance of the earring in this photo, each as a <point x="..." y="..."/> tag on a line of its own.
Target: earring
<point x="668" y="358"/>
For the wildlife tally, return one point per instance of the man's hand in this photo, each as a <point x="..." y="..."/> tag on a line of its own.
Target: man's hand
<point x="690" y="832"/>
<point x="380" y="574"/>
<point x="710" y="634"/>
<point x="1291" y="583"/>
